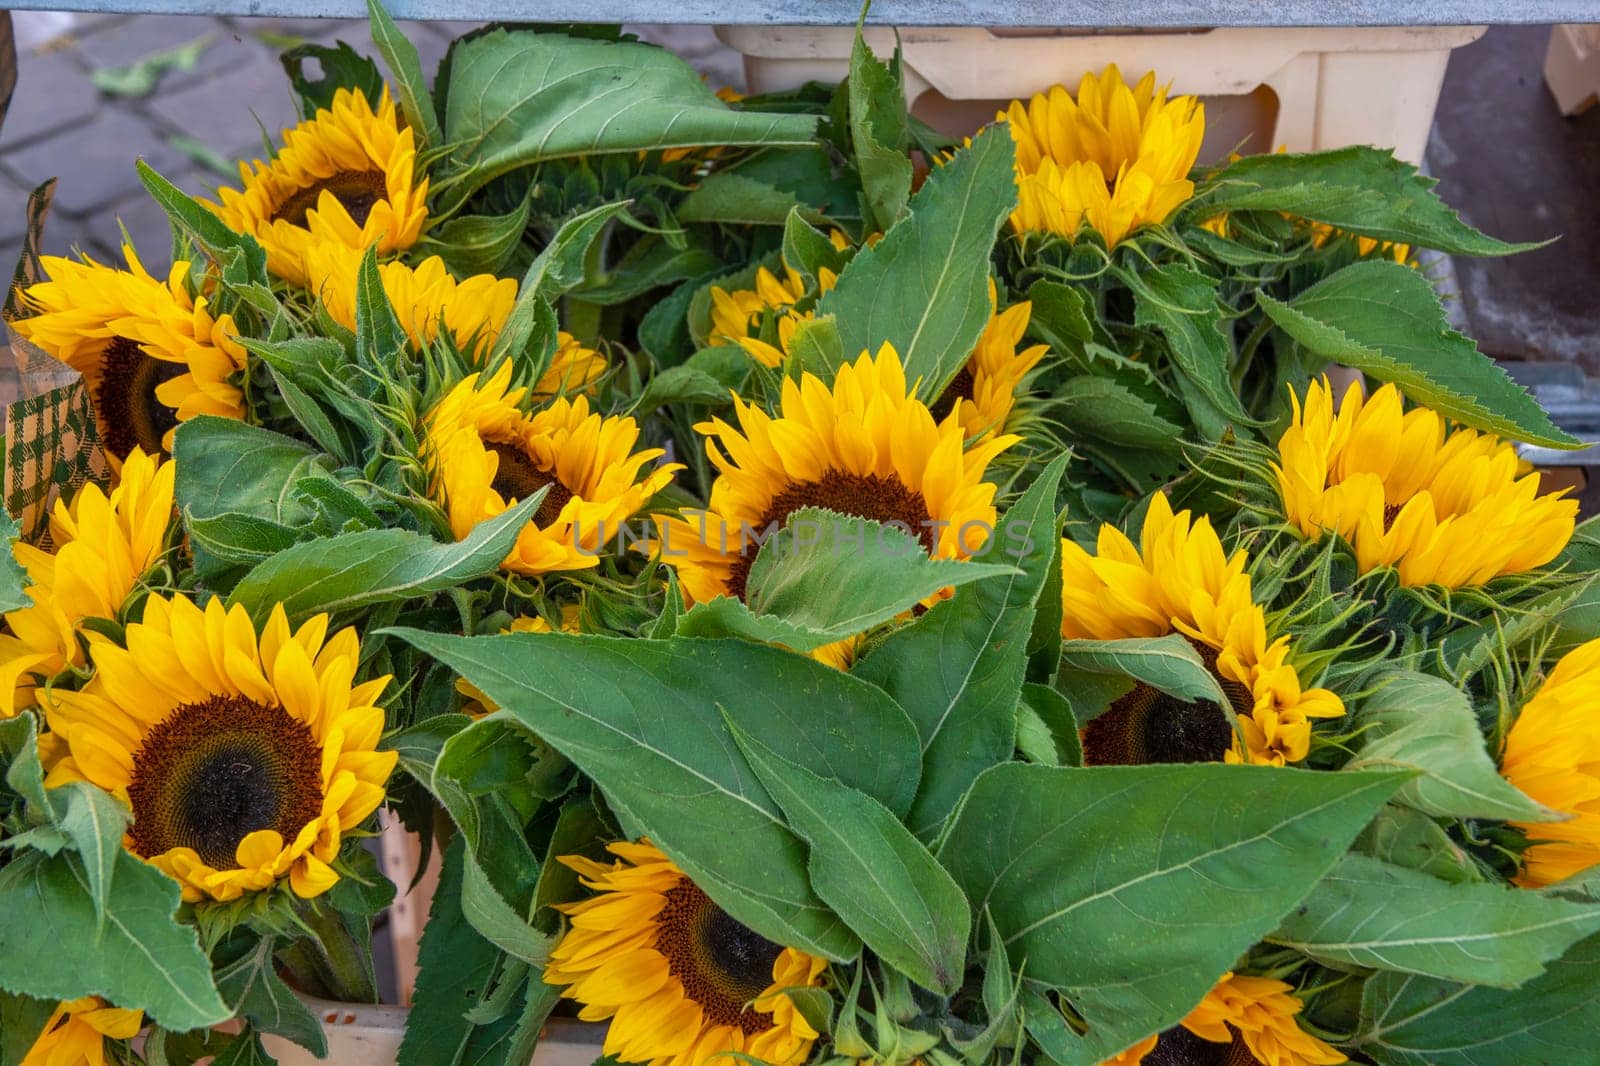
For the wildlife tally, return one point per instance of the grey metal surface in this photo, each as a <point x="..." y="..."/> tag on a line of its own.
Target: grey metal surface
<point x="1079" y="13"/>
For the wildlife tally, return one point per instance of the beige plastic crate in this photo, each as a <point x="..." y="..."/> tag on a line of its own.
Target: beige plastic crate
<point x="1303" y="89"/>
<point x="1572" y="67"/>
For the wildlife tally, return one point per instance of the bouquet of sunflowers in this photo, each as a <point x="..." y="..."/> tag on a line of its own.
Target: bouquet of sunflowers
<point x="828" y="592"/>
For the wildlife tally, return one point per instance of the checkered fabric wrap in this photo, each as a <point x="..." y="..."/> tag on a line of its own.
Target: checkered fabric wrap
<point x="51" y="445"/>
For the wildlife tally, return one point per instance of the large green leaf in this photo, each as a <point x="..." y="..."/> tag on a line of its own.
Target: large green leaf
<point x="518" y="98"/>
<point x="1550" y="1021"/>
<point x="405" y="64"/>
<point x="925" y="287"/>
<point x="53" y="946"/>
<point x="958" y="668"/>
<point x="227" y="466"/>
<point x="1385" y="320"/>
<point x="1109" y="411"/>
<point x="824" y="577"/>
<point x="374" y="566"/>
<point x="1131" y="889"/>
<point x="1359" y="189"/>
<point x="1369" y="913"/>
<point x="455" y="974"/>
<point x="868" y="867"/>
<point x="1416" y="722"/>
<point x="644" y="720"/>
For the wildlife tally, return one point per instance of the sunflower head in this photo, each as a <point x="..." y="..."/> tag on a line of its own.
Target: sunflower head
<point x="1552" y="753"/>
<point x="484" y="454"/>
<point x="865" y="447"/>
<point x="243" y="758"/>
<point x="346" y="175"/>
<point x="77" y="1031"/>
<point x="104" y="545"/>
<point x="738" y="317"/>
<point x="681" y="980"/>
<point x="151" y="355"/>
<point x="1443" y="506"/>
<point x="426" y="299"/>
<point x="1179" y="580"/>
<point x="1114" y="157"/>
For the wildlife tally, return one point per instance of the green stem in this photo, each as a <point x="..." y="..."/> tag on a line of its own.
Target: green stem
<point x="345" y="962"/>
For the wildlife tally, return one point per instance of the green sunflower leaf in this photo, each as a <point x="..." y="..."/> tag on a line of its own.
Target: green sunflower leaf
<point x="373" y="566"/>
<point x="958" y="668"/>
<point x="13" y="578"/>
<point x="229" y="467"/>
<point x="1359" y="189"/>
<point x="879" y="133"/>
<point x="557" y="269"/>
<point x="1184" y="306"/>
<point x="1168" y="663"/>
<point x="924" y="288"/>
<point x="53" y="946"/>
<point x="1421" y="723"/>
<point x="1385" y="320"/>
<point x="866" y="865"/>
<point x="252" y="988"/>
<point x="1401" y="836"/>
<point x="1418" y="1021"/>
<point x="520" y="97"/>
<point x="1368" y="913"/>
<point x="95" y="822"/>
<point x="406" y="66"/>
<point x="826" y="576"/>
<point x="1129" y="889"/>
<point x="643" y="719"/>
<point x="22" y="1019"/>
<point x="210" y="232"/>
<point x="807" y="249"/>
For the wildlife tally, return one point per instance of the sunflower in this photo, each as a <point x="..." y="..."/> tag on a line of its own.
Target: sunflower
<point x="984" y="390"/>
<point x="737" y="316"/>
<point x="1179" y="581"/>
<point x="867" y="447"/>
<point x="574" y="367"/>
<point x="485" y="454"/>
<point x="1243" y="1021"/>
<point x="243" y="760"/>
<point x="77" y="1030"/>
<point x="681" y="980"/>
<point x="347" y="175"/>
<point x="1552" y="754"/>
<point x="425" y="298"/>
<point x="104" y="545"/>
<point x="1114" y="157"/>
<point x="1444" y="506"/>
<point x="151" y="355"/>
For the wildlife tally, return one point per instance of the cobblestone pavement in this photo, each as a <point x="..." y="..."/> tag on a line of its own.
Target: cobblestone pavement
<point x="60" y="125"/>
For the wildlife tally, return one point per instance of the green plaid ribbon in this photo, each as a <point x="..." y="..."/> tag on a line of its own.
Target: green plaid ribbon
<point x="51" y="445"/>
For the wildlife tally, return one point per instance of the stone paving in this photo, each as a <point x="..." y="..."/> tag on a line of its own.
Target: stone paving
<point x="60" y="125"/>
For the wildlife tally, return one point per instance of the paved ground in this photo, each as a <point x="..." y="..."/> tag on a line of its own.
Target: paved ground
<point x="60" y="125"/>
<point x="1503" y="155"/>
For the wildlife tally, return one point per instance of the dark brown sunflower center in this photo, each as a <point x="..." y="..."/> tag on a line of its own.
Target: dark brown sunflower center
<point x="960" y="388"/>
<point x="211" y="773"/>
<point x="877" y="499"/>
<point x="126" y="403"/>
<point x="1151" y="726"/>
<point x="722" y="964"/>
<point x="357" y="190"/>
<point x="1391" y="511"/>
<point x="518" y="477"/>
<point x="1179" y="1047"/>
